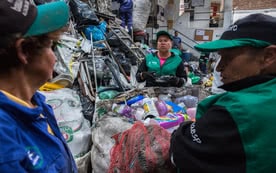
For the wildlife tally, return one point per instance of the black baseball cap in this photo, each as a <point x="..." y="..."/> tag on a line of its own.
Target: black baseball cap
<point x="22" y="16"/>
<point x="257" y="30"/>
<point x="158" y="34"/>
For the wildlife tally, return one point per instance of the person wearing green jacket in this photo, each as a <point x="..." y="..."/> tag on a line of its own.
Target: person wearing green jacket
<point x="234" y="131"/>
<point x="165" y="64"/>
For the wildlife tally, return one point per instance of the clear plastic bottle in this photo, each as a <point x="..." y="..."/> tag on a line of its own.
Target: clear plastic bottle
<point x="149" y="107"/>
<point x="138" y="113"/>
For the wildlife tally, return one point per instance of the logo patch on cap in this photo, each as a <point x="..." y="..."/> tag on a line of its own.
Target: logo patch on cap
<point x="232" y="28"/>
<point x="20" y="6"/>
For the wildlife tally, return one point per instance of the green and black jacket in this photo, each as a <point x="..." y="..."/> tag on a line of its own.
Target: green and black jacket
<point x="234" y="131"/>
<point x="173" y="66"/>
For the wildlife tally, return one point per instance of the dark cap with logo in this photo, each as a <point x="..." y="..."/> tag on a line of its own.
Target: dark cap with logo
<point x="256" y="30"/>
<point x="158" y="34"/>
<point x="22" y="16"/>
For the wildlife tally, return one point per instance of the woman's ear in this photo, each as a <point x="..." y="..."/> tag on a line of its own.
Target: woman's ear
<point x="22" y="56"/>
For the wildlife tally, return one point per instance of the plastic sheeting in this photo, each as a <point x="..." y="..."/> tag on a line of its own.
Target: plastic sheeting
<point x="141" y="13"/>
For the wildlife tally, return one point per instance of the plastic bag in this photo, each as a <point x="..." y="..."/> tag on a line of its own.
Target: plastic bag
<point x="102" y="140"/>
<point x="141" y="12"/>
<point x="141" y="149"/>
<point x="83" y="14"/>
<point x="68" y="112"/>
<point x="97" y="31"/>
<point x="188" y="100"/>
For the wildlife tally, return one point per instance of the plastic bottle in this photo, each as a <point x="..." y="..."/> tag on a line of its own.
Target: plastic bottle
<point x="138" y="113"/>
<point x="161" y="107"/>
<point x="135" y="99"/>
<point x="123" y="110"/>
<point x="192" y="113"/>
<point x="149" y="107"/>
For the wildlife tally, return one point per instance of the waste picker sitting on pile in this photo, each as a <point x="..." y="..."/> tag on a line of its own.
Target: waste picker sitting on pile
<point x="163" y="68"/>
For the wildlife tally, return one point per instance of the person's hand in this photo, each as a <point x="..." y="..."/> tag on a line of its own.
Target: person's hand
<point x="173" y="80"/>
<point x="147" y="75"/>
<point x="176" y="81"/>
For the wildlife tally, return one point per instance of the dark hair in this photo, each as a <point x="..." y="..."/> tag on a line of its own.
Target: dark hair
<point x="8" y="53"/>
<point x="31" y="46"/>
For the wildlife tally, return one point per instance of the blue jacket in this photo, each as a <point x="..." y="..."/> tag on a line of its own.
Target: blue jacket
<point x="176" y="42"/>
<point x="125" y="5"/>
<point x="26" y="145"/>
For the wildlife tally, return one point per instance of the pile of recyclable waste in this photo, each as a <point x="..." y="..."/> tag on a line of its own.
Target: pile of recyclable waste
<point x="97" y="101"/>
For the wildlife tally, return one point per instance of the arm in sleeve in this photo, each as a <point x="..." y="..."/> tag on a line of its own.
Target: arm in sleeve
<point x="12" y="155"/>
<point x="14" y="166"/>
<point x="211" y="144"/>
<point x="180" y="71"/>
<point x="181" y="74"/>
<point x="142" y="67"/>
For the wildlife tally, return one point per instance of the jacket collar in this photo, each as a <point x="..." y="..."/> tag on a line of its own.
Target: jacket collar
<point x="247" y="82"/>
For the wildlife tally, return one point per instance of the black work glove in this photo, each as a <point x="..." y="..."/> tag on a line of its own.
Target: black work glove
<point x="147" y="75"/>
<point x="176" y="81"/>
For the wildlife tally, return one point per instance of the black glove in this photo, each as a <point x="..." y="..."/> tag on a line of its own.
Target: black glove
<point x="147" y="75"/>
<point x="176" y="81"/>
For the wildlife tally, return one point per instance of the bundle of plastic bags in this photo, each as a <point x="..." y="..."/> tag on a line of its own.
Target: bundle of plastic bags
<point x="141" y="149"/>
<point x="83" y="14"/>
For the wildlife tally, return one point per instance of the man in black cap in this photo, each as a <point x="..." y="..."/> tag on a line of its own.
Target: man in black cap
<point x="163" y="68"/>
<point x="234" y="131"/>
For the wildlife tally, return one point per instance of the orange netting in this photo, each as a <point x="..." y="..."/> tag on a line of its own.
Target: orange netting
<point x="141" y="149"/>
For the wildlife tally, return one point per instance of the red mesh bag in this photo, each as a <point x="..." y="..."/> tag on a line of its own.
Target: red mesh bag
<point x="141" y="149"/>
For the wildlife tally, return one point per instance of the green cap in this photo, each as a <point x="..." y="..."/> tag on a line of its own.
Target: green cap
<point x="50" y="17"/>
<point x="158" y="34"/>
<point x="224" y="44"/>
<point x="256" y="30"/>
